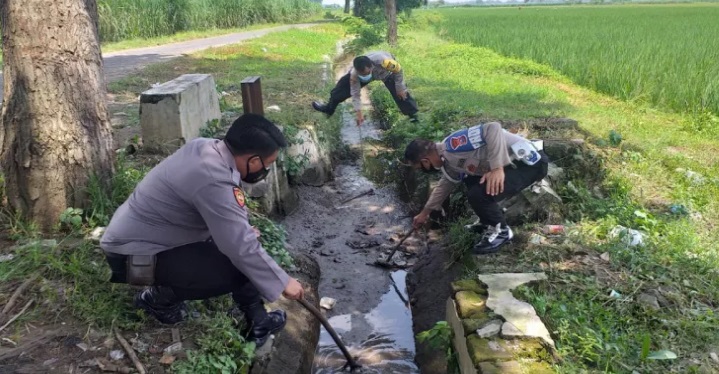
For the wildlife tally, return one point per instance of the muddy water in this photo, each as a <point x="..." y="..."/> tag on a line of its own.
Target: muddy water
<point x="372" y="314"/>
<point x="381" y="339"/>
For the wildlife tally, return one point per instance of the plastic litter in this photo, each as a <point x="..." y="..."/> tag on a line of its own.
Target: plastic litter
<point x="117" y="355"/>
<point x="327" y="303"/>
<point x="553" y="229"/>
<point x="630" y="237"/>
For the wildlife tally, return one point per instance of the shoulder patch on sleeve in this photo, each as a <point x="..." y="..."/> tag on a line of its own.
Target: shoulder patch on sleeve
<point x="239" y="196"/>
<point x="391" y="65"/>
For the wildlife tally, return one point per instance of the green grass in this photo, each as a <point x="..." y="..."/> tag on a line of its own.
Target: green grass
<point x="458" y="85"/>
<point x="118" y="41"/>
<point x="74" y="274"/>
<point x="178" y="37"/>
<point x="291" y="66"/>
<point x="132" y="19"/>
<point x="667" y="55"/>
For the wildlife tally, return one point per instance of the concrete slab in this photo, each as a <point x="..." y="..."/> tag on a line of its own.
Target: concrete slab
<point x="519" y="314"/>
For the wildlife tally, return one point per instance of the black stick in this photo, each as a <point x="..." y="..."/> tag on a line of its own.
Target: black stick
<point x="350" y="360"/>
<point x="398" y="245"/>
<point x="367" y="192"/>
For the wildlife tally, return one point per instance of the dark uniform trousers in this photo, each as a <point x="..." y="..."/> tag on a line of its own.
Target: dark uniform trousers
<point x="342" y="92"/>
<point x="195" y="271"/>
<point x="517" y="176"/>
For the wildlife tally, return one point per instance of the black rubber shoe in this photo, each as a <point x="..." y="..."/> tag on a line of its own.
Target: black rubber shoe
<point x="414" y="119"/>
<point x="493" y="239"/>
<point x="316" y="105"/>
<point x="160" y="303"/>
<point x="272" y="323"/>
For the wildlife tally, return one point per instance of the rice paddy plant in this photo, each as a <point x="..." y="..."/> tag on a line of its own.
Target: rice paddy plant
<point x="667" y="55"/>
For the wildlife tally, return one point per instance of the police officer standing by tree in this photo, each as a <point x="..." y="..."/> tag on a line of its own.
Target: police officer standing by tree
<point x="380" y="66"/>
<point x="493" y="163"/>
<point x="184" y="231"/>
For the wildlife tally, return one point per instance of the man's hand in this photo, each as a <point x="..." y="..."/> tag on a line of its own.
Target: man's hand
<point x="420" y="219"/>
<point x="360" y="118"/>
<point x="294" y="290"/>
<point x="402" y="94"/>
<point x="257" y="231"/>
<point x="495" y="181"/>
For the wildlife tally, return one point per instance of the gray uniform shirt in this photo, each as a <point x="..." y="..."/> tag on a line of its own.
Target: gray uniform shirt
<point x="471" y="152"/>
<point x="383" y="66"/>
<point x="190" y="197"/>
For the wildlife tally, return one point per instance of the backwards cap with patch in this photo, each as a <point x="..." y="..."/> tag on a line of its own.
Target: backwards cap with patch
<point x="465" y="140"/>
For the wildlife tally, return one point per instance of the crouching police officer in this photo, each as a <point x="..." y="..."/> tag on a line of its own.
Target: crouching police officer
<point x="493" y="163"/>
<point x="184" y="231"/>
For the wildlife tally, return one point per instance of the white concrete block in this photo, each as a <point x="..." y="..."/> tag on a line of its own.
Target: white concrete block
<point x="173" y="113"/>
<point x="521" y="318"/>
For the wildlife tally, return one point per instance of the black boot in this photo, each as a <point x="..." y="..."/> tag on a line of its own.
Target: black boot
<point x="414" y="118"/>
<point x="261" y="323"/>
<point x="161" y="303"/>
<point x="493" y="239"/>
<point x="328" y="109"/>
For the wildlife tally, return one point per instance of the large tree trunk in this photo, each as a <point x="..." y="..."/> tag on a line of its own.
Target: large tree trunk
<point x="358" y="8"/>
<point x="55" y="127"/>
<point x="390" y="10"/>
<point x="347" y="6"/>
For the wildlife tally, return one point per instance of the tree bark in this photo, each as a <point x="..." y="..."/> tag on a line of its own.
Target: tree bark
<point x="55" y="129"/>
<point x="347" y="6"/>
<point x="358" y="8"/>
<point x="390" y="10"/>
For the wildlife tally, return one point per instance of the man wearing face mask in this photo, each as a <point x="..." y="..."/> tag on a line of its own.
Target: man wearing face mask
<point x="493" y="163"/>
<point x="184" y="231"/>
<point x="380" y="66"/>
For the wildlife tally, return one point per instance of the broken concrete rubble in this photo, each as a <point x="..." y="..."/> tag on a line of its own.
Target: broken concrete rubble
<point x="487" y="344"/>
<point x="491" y="329"/>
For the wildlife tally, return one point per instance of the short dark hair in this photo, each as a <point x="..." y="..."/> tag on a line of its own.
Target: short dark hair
<point x="254" y="134"/>
<point x="417" y="150"/>
<point x="361" y="62"/>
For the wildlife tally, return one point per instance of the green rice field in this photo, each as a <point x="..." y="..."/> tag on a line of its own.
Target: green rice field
<point x="667" y="55"/>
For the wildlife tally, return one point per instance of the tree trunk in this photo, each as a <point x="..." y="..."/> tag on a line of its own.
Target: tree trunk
<point x="55" y="128"/>
<point x="390" y="10"/>
<point x="358" y="10"/>
<point x="347" y="6"/>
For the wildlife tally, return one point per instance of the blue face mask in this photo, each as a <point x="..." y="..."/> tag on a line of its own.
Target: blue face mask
<point x="365" y="78"/>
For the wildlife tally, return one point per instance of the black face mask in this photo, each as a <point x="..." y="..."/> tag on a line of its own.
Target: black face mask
<point x="257" y="176"/>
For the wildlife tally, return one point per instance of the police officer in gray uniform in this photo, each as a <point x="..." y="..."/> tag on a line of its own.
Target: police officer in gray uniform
<point x="184" y="231"/>
<point x="493" y="163"/>
<point x="378" y="65"/>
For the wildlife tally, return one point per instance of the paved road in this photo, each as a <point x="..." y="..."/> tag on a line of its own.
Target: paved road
<point x="122" y="63"/>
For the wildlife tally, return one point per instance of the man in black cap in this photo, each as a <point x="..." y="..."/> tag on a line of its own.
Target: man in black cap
<point x="493" y="164"/>
<point x="184" y="231"/>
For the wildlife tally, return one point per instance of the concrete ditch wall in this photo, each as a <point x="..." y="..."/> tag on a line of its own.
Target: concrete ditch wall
<point x="495" y="333"/>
